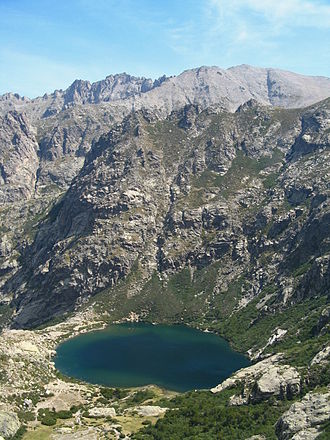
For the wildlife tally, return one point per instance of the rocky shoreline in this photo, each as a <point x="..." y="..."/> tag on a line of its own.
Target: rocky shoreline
<point x="30" y="383"/>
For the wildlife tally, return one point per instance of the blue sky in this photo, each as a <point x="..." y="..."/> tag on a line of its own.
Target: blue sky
<point x="46" y="44"/>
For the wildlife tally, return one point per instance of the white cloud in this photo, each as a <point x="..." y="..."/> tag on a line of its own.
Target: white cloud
<point x="255" y="30"/>
<point x="304" y="13"/>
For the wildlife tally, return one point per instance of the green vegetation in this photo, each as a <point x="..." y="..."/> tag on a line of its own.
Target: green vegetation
<point x="5" y="314"/>
<point x="223" y="304"/>
<point x="239" y="176"/>
<point x="26" y="416"/>
<point x="302" y="269"/>
<point x="33" y="396"/>
<point x="113" y="393"/>
<point x="248" y="328"/>
<point x="205" y="416"/>
<point x="49" y="418"/>
<point x="139" y="397"/>
<point x="242" y="167"/>
<point x="67" y="378"/>
<point x="181" y="298"/>
<point x="287" y="118"/>
<point x="32" y="222"/>
<point x="325" y="435"/>
<point x="20" y="433"/>
<point x="168" y="137"/>
<point x="270" y="180"/>
<point x="54" y="321"/>
<point x="316" y="376"/>
<point x="76" y="408"/>
<point x="64" y="414"/>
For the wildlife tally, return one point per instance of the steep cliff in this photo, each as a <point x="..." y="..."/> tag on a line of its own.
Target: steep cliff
<point x="243" y="193"/>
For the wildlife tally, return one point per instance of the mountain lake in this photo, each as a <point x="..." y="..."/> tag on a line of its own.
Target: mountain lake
<point x="174" y="357"/>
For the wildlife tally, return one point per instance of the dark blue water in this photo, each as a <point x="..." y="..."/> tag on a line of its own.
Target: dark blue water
<point x="129" y="355"/>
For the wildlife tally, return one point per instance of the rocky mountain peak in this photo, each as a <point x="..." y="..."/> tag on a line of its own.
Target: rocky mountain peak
<point x="78" y="92"/>
<point x="112" y="88"/>
<point x="204" y="86"/>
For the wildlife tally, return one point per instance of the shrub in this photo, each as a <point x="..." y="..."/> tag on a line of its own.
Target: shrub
<point x="48" y="420"/>
<point x="113" y="393"/>
<point x="64" y="414"/>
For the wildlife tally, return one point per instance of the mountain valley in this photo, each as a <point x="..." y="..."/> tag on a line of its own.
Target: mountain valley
<point x="201" y="199"/>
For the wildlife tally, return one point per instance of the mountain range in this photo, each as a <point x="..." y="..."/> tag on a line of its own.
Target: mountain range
<point x="200" y="199"/>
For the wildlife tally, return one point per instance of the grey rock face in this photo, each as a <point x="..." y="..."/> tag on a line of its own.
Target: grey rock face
<point x="18" y="158"/>
<point x="179" y="193"/>
<point x="64" y="141"/>
<point x="315" y="132"/>
<point x="9" y="424"/>
<point x="285" y="89"/>
<point x="303" y="419"/>
<point x="112" y="88"/>
<point x="150" y="410"/>
<point x="267" y="378"/>
<point x="280" y="381"/>
<point x="322" y="356"/>
<point x="102" y="412"/>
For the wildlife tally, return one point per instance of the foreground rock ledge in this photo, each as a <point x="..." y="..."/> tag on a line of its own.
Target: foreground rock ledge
<point x="264" y="379"/>
<point x="303" y="419"/>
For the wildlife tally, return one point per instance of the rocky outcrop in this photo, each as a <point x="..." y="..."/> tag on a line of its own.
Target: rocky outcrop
<point x="64" y="141"/>
<point x="150" y="410"/>
<point x="112" y="88"/>
<point x="67" y="433"/>
<point x="304" y="419"/>
<point x="323" y="323"/>
<point x="257" y="437"/>
<point x="263" y="380"/>
<point x="102" y="412"/>
<point x="322" y="356"/>
<point x="280" y="82"/>
<point x="315" y="135"/>
<point x="279" y="380"/>
<point x="9" y="424"/>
